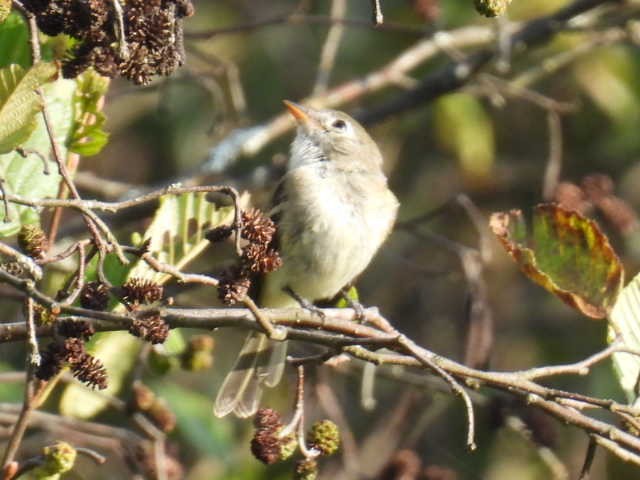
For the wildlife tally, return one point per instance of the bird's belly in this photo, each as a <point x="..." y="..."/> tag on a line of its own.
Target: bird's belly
<point x="320" y="259"/>
<point x="328" y="260"/>
<point x="328" y="233"/>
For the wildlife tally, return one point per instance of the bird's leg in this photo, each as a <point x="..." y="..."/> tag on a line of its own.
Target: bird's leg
<point x="353" y="303"/>
<point x="304" y="303"/>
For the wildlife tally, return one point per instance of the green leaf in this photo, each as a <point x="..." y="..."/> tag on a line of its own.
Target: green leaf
<point x="352" y="294"/>
<point x="14" y="38"/>
<point x="87" y="136"/>
<point x="624" y="326"/>
<point x="25" y="176"/>
<point x="19" y="102"/>
<point x="464" y="128"/>
<point x="5" y="9"/>
<point x="565" y="253"/>
<point x="176" y="237"/>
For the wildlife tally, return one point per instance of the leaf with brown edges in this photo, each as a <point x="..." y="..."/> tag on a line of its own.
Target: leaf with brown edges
<point x="566" y="254"/>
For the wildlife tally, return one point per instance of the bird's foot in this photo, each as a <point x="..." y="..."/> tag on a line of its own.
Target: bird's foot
<point x="306" y="304"/>
<point x="355" y="304"/>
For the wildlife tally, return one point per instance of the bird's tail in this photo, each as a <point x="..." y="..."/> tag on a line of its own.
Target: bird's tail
<point x="260" y="363"/>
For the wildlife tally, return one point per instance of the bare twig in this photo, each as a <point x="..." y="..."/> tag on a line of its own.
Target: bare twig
<point x="617" y="450"/>
<point x="428" y="361"/>
<point x="298" y="18"/>
<point x="378" y="17"/>
<point x="554" y="163"/>
<point x="30" y="393"/>
<point x="27" y="262"/>
<point x="123" y="47"/>
<point x="330" y="47"/>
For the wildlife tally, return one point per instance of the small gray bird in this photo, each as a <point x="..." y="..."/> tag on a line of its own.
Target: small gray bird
<point x="333" y="210"/>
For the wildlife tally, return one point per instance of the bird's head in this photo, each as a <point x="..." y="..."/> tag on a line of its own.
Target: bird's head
<point x="331" y="136"/>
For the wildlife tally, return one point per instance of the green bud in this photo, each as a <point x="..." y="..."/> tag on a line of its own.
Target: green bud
<point x="288" y="447"/>
<point x="325" y="436"/>
<point x="33" y="241"/>
<point x="491" y="8"/>
<point x="198" y="355"/>
<point x="58" y="458"/>
<point x="306" y="469"/>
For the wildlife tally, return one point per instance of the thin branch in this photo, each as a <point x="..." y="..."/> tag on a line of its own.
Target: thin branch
<point x="123" y="47"/>
<point x="554" y="163"/>
<point x="457" y="74"/>
<point x="617" y="450"/>
<point x="376" y="15"/>
<point x="456" y="388"/>
<point x="29" y="401"/>
<point x="297" y="18"/>
<point x="330" y="48"/>
<point x="26" y="262"/>
<point x="248" y="142"/>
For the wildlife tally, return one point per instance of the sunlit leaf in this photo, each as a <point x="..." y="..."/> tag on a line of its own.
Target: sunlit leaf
<point x="176" y="237"/>
<point x="5" y="8"/>
<point x="19" y="102"/>
<point x="87" y="135"/>
<point x="565" y="253"/>
<point x="352" y="294"/>
<point x="624" y="326"/>
<point x="25" y="176"/>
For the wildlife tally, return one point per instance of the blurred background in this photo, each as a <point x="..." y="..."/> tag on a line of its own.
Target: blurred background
<point x="572" y="102"/>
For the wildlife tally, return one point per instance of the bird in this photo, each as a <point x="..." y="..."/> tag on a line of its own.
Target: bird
<point x="333" y="210"/>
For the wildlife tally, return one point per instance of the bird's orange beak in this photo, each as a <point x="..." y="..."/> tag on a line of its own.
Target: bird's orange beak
<point x="303" y="115"/>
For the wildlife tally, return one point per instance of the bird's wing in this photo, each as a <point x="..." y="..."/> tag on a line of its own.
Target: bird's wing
<point x="241" y="376"/>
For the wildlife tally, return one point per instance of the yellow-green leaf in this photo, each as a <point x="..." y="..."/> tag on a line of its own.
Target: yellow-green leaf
<point x="624" y="326"/>
<point x="87" y="136"/>
<point x="352" y="294"/>
<point x="19" y="102"/>
<point x="565" y="253"/>
<point x="25" y="176"/>
<point x="176" y="235"/>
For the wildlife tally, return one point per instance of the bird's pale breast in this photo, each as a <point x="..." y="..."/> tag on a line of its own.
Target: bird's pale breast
<point x="331" y="227"/>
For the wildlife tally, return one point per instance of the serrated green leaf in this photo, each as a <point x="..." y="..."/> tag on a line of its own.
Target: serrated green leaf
<point x="177" y="232"/>
<point x="19" y="102"/>
<point x="566" y="254"/>
<point x="87" y="135"/>
<point x="176" y="237"/>
<point x="25" y="176"/>
<point x="624" y="326"/>
<point x="5" y="9"/>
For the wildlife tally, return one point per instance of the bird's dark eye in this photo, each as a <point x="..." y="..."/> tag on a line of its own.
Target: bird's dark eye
<point x="339" y="124"/>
